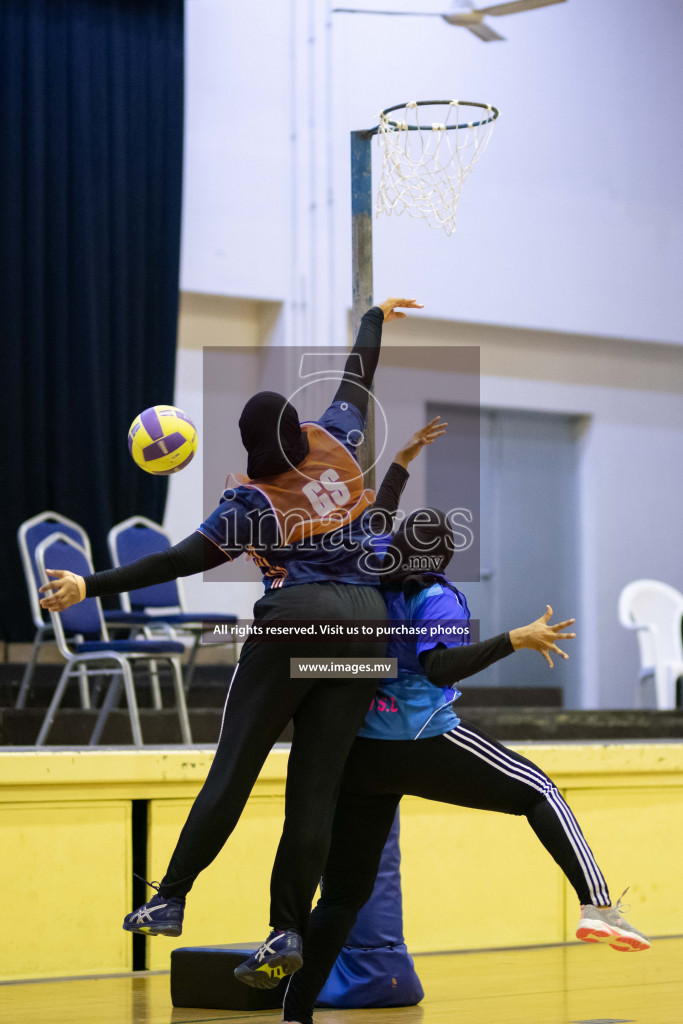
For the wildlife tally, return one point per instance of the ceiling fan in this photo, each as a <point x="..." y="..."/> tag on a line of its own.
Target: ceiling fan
<point x="470" y="18"/>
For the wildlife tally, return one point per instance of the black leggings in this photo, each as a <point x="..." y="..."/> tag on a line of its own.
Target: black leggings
<point x="261" y="700"/>
<point x="463" y="767"/>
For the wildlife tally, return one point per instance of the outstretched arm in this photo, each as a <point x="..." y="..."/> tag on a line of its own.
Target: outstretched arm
<point x="381" y="513"/>
<point x="362" y="361"/>
<point x="192" y="555"/>
<point x="445" y="666"/>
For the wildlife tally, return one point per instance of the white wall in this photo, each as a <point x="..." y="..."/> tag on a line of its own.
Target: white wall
<point x="572" y="221"/>
<point x="630" y="516"/>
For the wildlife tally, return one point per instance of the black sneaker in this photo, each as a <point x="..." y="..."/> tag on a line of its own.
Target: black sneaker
<point x="161" y="916"/>
<point x="279" y="956"/>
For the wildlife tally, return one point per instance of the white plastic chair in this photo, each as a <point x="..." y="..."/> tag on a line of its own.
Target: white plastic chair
<point x="655" y="611"/>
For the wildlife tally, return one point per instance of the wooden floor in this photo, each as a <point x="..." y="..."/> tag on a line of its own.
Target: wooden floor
<point x="558" y="985"/>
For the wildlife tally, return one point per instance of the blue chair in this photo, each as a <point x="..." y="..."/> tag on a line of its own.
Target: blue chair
<point x="29" y="536"/>
<point x="134" y="538"/>
<point x="80" y="633"/>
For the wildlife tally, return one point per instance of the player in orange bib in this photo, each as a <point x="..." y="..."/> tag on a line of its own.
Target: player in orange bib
<point x="302" y="513"/>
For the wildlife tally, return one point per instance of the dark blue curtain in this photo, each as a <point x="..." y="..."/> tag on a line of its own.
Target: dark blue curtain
<point x="91" y="120"/>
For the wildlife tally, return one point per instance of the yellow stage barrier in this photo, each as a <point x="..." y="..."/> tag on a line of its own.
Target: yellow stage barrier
<point x="471" y="879"/>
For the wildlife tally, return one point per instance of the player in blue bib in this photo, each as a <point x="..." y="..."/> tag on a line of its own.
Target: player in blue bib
<point x="404" y="708"/>
<point x="412" y="742"/>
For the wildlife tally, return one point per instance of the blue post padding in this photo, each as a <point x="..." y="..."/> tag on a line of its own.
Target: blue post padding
<point x="361" y="174"/>
<point x="374" y="968"/>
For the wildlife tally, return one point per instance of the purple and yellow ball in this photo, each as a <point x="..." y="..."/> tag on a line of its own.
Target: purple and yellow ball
<point x="162" y="440"/>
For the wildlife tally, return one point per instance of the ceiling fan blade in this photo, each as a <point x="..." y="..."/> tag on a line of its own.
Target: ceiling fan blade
<point x="516" y="5"/>
<point x="484" y="32"/>
<point x="408" y="14"/>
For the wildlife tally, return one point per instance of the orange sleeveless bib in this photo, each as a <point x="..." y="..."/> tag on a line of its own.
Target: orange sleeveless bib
<point x="324" y="492"/>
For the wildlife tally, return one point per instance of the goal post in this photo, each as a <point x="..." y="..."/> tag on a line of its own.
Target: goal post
<point x="361" y="259"/>
<point x="429" y="148"/>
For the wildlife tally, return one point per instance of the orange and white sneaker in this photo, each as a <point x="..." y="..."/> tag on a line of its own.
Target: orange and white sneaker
<point x="611" y="926"/>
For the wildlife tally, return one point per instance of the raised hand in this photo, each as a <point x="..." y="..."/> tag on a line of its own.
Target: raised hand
<point x="388" y="307"/>
<point x="421" y="437"/>
<point x="66" y="589"/>
<point x="541" y="636"/>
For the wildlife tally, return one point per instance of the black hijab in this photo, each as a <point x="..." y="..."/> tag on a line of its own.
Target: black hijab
<point x="418" y="552"/>
<point x="272" y="435"/>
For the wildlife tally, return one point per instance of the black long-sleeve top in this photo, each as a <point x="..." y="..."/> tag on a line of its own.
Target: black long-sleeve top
<point x="447" y="665"/>
<point x="196" y="554"/>
<point x="443" y="666"/>
<point x="362" y="360"/>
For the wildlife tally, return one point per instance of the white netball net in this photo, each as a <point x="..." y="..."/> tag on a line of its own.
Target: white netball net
<point x="429" y="148"/>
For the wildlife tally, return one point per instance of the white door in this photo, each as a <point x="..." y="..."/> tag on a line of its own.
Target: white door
<point x="528" y="530"/>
